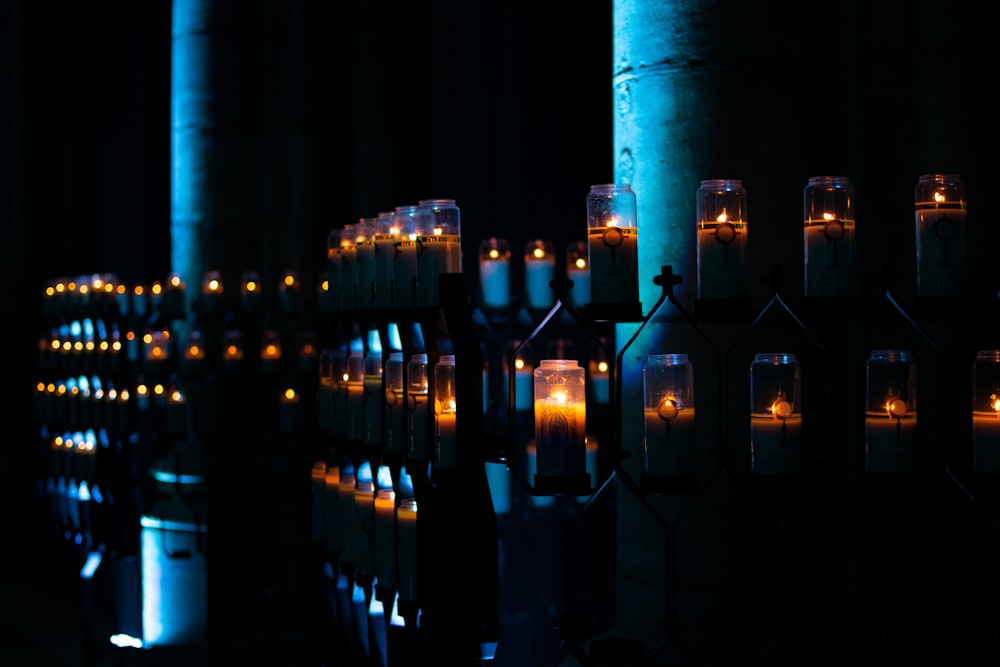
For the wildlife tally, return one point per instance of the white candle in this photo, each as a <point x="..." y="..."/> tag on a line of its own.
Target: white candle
<point x="318" y="497"/>
<point x="941" y="251"/>
<point x="614" y="264"/>
<point x="366" y="273"/>
<point x="348" y="546"/>
<point x="600" y="382"/>
<point x="332" y="484"/>
<point x="775" y="443"/>
<point x="829" y="257"/>
<point x="364" y="526"/>
<point x="524" y="388"/>
<point x="538" y="273"/>
<point x="385" y="538"/>
<point x="404" y="273"/>
<point x="889" y="441"/>
<point x="722" y="270"/>
<point x="406" y="527"/>
<point x="498" y="478"/>
<point x="560" y="432"/>
<point x="986" y="435"/>
<point x="373" y="409"/>
<point x="494" y="280"/>
<point x="435" y="255"/>
<point x="445" y="446"/>
<point x="349" y="277"/>
<point x="670" y="441"/>
<point x="395" y="423"/>
<point x="355" y="410"/>
<point x="385" y="256"/>
<point x="579" y="294"/>
<point x="418" y="449"/>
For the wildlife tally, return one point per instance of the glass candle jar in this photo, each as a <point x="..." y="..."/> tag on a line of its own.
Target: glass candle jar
<point x="560" y="418"/>
<point x="722" y="239"/>
<point x="417" y="408"/>
<point x="445" y="412"/>
<point x="891" y="411"/>
<point x="830" y="258"/>
<point x="612" y="243"/>
<point x="668" y="396"/>
<point x="986" y="411"/>
<point x="439" y="248"/>
<point x="539" y="271"/>
<point x="404" y="263"/>
<point x="940" y="226"/>
<point x="775" y="413"/>
<point x="494" y="272"/>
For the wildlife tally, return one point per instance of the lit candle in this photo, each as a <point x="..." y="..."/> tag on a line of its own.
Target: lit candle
<point x="891" y="411"/>
<point x="348" y="268"/>
<point x="539" y="271"/>
<point x="211" y="292"/>
<point x="600" y="380"/>
<point x="364" y="521"/>
<point x="355" y="391"/>
<point x="669" y="439"/>
<point x="830" y="262"/>
<point x="364" y="231"/>
<point x="348" y="542"/>
<point x="494" y="272"/>
<point x="560" y="418"/>
<point x="775" y="417"/>
<point x="612" y="242"/>
<point x="384" y="242"/>
<point x="940" y="221"/>
<point x="439" y="248"/>
<point x="986" y="411"/>
<point x="722" y="239"/>
<point x="418" y="409"/>
<point x="446" y="443"/>
<point x="395" y="406"/>
<point x="404" y="262"/>
<point x="270" y="351"/>
<point x="406" y="526"/>
<point x="578" y="270"/>
<point x="385" y="538"/>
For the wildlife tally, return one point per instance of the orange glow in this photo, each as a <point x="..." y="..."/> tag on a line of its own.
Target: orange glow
<point x="494" y="253"/>
<point x="538" y="253"/>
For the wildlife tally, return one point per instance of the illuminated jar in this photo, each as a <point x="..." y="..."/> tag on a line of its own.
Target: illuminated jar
<point x="722" y="239"/>
<point x="986" y="411"/>
<point x="439" y="248"/>
<point x="445" y="405"/>
<point x="364" y="232"/>
<point x="940" y="228"/>
<point x="373" y="395"/>
<point x="891" y="411"/>
<point x="494" y="272"/>
<point x="612" y="244"/>
<point x="384" y="244"/>
<point x="395" y="405"/>
<point x="668" y="393"/>
<point x="355" y="392"/>
<point x="560" y="418"/>
<point x="348" y="268"/>
<point x="404" y="263"/>
<point x="333" y="275"/>
<point x="418" y="408"/>
<point x="775" y="413"/>
<point x="830" y="258"/>
<point x="539" y="271"/>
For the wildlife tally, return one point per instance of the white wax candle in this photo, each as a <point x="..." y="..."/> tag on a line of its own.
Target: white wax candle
<point x="670" y="445"/>
<point x="889" y="442"/>
<point x="986" y="436"/>
<point x="348" y="546"/>
<point x="940" y="251"/>
<point x="318" y="498"/>
<point x="614" y="264"/>
<point x="494" y="280"/>
<point x="364" y="526"/>
<point x="385" y="538"/>
<point x="775" y="444"/>
<point x="538" y="273"/>
<point x="366" y="273"/>
<point x="722" y="270"/>
<point x="435" y="255"/>
<point x="349" y="277"/>
<point x="531" y="467"/>
<point x="355" y="410"/>
<point x="524" y="388"/>
<point x="404" y="273"/>
<point x="406" y="527"/>
<point x="419" y="418"/>
<point x="446" y="444"/>
<point x="560" y="432"/>
<point x="395" y="423"/>
<point x="339" y="409"/>
<point x="829" y="259"/>
<point x="385" y="255"/>
<point x="600" y="382"/>
<point x="373" y="409"/>
<point x="579" y="294"/>
<point x="333" y="508"/>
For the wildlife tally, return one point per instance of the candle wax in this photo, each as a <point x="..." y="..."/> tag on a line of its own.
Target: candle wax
<point x="385" y="538"/>
<point x="318" y="498"/>
<point x="406" y="527"/>
<point x="775" y="444"/>
<point x="445" y="447"/>
<point x="333" y="508"/>
<point x="538" y="273"/>
<point x="614" y="264"/>
<point x="670" y="444"/>
<point x="373" y="410"/>
<point x="829" y="264"/>
<point x="355" y="410"/>
<point x="395" y="422"/>
<point x="940" y="251"/>
<point x="722" y="270"/>
<point x="889" y="442"/>
<point x="385" y="255"/>
<point x="560" y="431"/>
<point x="366" y="274"/>
<point x="435" y="255"/>
<point x="404" y="273"/>
<point x="986" y="436"/>
<point x="579" y="294"/>
<point x="419" y="449"/>
<point x="494" y="280"/>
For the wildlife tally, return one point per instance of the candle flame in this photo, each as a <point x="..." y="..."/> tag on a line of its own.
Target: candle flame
<point x="519" y="364"/>
<point x="829" y="216"/>
<point x="395" y="230"/>
<point x="896" y="407"/>
<point x="612" y="222"/>
<point x="722" y="217"/>
<point x="538" y="253"/>
<point x="781" y="409"/>
<point x="438" y="231"/>
<point x="176" y="397"/>
<point x="581" y="263"/>
<point x="494" y="253"/>
<point x="560" y="397"/>
<point x="602" y="366"/>
<point x="250" y="286"/>
<point x="938" y="197"/>
<point x="995" y="403"/>
<point x="289" y="394"/>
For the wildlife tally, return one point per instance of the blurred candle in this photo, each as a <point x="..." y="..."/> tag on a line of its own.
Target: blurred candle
<point x="539" y="271"/>
<point x="418" y="407"/>
<point x="668" y="392"/>
<point x="404" y="265"/>
<point x="445" y="403"/>
<point x="384" y="238"/>
<point x="560" y="418"/>
<point x="348" y="267"/>
<point x="364" y="520"/>
<point x="385" y="538"/>
<point x="578" y="270"/>
<point x="356" y="391"/>
<point x="439" y="248"/>
<point x="830" y="262"/>
<point x="408" y="567"/>
<point x="364" y="235"/>
<point x="775" y="417"/>
<point x="395" y="406"/>
<point x="348" y="542"/>
<point x="333" y="511"/>
<point x="494" y="272"/>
